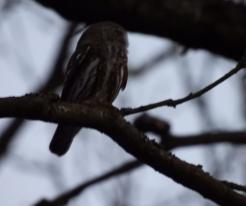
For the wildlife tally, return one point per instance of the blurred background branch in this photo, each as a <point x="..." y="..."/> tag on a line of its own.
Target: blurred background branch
<point x="55" y="78"/>
<point x="216" y="26"/>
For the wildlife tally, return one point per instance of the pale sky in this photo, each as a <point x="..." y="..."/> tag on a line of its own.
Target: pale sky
<point x="28" y="41"/>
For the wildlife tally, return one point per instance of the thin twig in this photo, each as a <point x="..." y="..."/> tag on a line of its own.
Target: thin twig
<point x="174" y="103"/>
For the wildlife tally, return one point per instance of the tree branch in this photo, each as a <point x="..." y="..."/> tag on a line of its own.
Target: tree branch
<point x="147" y="123"/>
<point x="174" y="103"/>
<point x="215" y="25"/>
<point x="108" y="120"/>
<point x="236" y="138"/>
<point x="151" y="124"/>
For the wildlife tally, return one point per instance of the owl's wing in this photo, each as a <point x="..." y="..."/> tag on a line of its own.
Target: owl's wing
<point x="125" y="76"/>
<point x="124" y="72"/>
<point x="74" y="67"/>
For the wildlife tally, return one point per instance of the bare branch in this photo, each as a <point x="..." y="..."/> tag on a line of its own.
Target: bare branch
<point x="174" y="103"/>
<point x="147" y="123"/>
<point x="215" y="25"/>
<point x="236" y="138"/>
<point x="159" y="127"/>
<point x="108" y="120"/>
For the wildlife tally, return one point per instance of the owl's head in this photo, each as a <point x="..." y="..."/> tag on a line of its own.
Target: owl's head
<point x="104" y="33"/>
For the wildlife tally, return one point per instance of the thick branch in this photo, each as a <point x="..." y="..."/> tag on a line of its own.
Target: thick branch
<point x="109" y="120"/>
<point x="147" y="123"/>
<point x="215" y="25"/>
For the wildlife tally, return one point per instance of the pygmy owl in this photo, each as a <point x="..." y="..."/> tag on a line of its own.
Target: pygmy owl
<point x="96" y="71"/>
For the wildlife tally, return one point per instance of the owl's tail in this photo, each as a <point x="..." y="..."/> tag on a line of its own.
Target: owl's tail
<point x="62" y="139"/>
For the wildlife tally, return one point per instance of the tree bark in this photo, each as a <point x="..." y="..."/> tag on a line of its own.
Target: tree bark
<point x="214" y="25"/>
